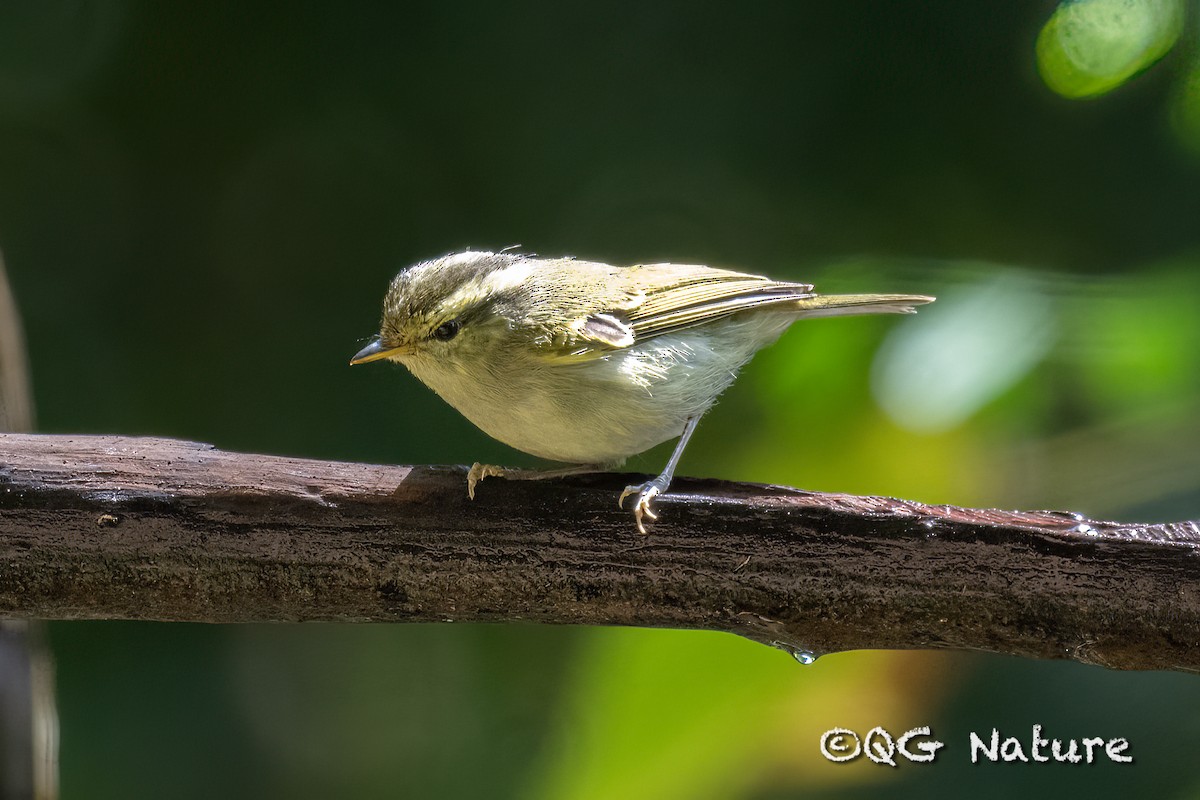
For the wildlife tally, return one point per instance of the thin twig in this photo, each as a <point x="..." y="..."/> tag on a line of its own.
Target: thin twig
<point x="16" y="396"/>
<point x="28" y="711"/>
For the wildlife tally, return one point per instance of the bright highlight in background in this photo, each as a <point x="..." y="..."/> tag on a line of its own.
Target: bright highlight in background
<point x="1089" y="47"/>
<point x="964" y="351"/>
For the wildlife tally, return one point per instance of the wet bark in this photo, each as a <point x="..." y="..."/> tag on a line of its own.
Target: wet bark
<point x="108" y="527"/>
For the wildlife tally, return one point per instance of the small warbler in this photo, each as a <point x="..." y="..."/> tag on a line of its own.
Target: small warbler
<point x="586" y="363"/>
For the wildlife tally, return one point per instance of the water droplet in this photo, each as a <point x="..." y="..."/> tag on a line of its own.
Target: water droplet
<point x="1074" y="516"/>
<point x="801" y="654"/>
<point x="1085" y="529"/>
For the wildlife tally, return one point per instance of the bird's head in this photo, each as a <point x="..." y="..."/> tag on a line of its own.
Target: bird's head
<point x="450" y="309"/>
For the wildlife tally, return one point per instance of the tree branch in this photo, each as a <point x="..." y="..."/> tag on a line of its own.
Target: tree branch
<point x="124" y="528"/>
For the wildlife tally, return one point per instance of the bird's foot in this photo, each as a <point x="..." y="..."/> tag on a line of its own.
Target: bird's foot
<point x="645" y="492"/>
<point x="480" y="471"/>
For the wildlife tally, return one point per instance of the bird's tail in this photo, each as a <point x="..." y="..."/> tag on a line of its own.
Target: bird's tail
<point x="833" y="305"/>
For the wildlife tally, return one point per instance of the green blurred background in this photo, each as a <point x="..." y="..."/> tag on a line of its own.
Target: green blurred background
<point x="201" y="205"/>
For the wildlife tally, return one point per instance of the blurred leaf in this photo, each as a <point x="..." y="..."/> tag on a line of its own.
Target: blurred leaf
<point x="1135" y="340"/>
<point x="686" y="714"/>
<point x="678" y="748"/>
<point x="1090" y="47"/>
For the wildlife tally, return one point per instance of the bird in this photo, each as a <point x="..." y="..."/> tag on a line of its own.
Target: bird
<point x="586" y="363"/>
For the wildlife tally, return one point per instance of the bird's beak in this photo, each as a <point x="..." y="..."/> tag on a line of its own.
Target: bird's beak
<point x="375" y="351"/>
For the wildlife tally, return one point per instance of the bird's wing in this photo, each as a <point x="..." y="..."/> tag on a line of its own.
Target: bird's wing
<point x="701" y="295"/>
<point x="657" y="299"/>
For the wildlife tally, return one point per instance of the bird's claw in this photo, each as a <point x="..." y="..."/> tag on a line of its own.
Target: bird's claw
<point x="645" y="493"/>
<point x="480" y="471"/>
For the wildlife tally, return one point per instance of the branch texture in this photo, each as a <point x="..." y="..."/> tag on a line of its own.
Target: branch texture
<point x="110" y="527"/>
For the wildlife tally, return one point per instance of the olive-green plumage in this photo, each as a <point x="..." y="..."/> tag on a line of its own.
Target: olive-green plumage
<point x="587" y="363"/>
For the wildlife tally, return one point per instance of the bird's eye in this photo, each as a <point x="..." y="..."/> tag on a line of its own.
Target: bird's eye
<point x="447" y="330"/>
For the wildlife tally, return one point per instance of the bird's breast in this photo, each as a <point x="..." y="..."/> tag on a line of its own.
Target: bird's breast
<point x="597" y="411"/>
